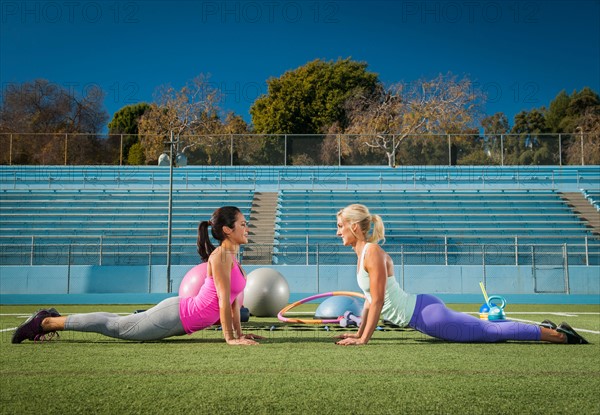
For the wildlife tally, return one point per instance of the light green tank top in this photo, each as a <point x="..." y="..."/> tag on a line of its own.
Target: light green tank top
<point x="398" y="305"/>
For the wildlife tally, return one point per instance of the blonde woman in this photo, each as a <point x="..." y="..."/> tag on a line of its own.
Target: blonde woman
<point x="361" y="230"/>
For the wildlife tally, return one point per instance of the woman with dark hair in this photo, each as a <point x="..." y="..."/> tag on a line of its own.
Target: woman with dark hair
<point x="174" y="316"/>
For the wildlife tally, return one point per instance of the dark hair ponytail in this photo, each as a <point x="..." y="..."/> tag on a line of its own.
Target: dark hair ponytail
<point x="203" y="243"/>
<point x="224" y="216"/>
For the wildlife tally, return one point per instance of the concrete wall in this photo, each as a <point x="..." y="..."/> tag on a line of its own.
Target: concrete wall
<point x="144" y="284"/>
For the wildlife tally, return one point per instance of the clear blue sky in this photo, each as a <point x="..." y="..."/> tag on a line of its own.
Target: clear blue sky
<point x="521" y="53"/>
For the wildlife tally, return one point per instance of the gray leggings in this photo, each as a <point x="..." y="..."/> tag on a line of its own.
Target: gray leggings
<point x="157" y="323"/>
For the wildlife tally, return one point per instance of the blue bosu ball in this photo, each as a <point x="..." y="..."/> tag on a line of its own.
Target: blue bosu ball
<point x="336" y="306"/>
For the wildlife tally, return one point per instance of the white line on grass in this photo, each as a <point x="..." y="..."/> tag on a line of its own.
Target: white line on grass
<point x="535" y="322"/>
<point x="469" y="312"/>
<point x="554" y="313"/>
<point x="543" y="312"/>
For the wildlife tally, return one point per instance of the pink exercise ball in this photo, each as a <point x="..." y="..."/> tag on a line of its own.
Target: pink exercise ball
<point x="193" y="280"/>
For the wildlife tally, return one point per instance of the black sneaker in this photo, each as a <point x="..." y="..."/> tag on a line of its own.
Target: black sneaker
<point x="548" y="324"/>
<point x="53" y="312"/>
<point x="572" y="336"/>
<point x="31" y="329"/>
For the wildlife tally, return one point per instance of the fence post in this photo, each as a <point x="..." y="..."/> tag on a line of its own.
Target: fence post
<point x="483" y="263"/>
<point x="339" y="150"/>
<point x="32" y="250"/>
<point x="150" y="269"/>
<point x="559" y="150"/>
<point x="449" y="151"/>
<point x="307" y="254"/>
<point x="285" y="150"/>
<point x="587" y="252"/>
<point x="121" y="151"/>
<point x="66" y="146"/>
<point x="231" y="150"/>
<point x="566" y="267"/>
<point x="402" y="262"/>
<point x="100" y="250"/>
<point x="393" y="150"/>
<point x="446" y="250"/>
<point x="516" y="250"/>
<point x="69" y="270"/>
<point x="317" y="264"/>
<point x="581" y="135"/>
<point x="502" y="149"/>
<point x="10" y="150"/>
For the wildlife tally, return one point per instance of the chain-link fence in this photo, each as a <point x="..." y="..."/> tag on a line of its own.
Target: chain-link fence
<point x="302" y="150"/>
<point x="37" y="252"/>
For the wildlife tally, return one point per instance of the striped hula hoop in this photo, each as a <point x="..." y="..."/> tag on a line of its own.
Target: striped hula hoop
<point x="284" y="310"/>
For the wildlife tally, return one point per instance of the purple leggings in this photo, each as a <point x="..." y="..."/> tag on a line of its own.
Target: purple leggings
<point x="432" y="317"/>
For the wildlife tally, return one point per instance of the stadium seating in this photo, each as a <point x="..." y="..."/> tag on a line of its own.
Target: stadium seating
<point x="124" y="221"/>
<point x="593" y="196"/>
<point x="112" y="213"/>
<point x="568" y="178"/>
<point x="415" y="218"/>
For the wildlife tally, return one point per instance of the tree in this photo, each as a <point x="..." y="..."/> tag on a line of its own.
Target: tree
<point x="126" y="120"/>
<point x="187" y="114"/>
<point x="125" y="125"/>
<point x="135" y="156"/>
<point x="495" y="124"/>
<point x="494" y="128"/>
<point x="587" y="135"/>
<point x="245" y="145"/>
<point x="527" y="145"/>
<point x="557" y="111"/>
<point x="443" y="105"/>
<point x="46" y="108"/>
<point x="571" y="115"/>
<point x="308" y="100"/>
<point x="581" y="101"/>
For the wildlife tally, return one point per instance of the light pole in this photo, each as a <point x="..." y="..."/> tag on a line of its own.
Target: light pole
<point x="171" y="143"/>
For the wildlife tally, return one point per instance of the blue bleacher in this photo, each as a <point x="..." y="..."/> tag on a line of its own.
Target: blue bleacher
<point x="593" y="196"/>
<point x="126" y="221"/>
<point x="417" y="217"/>
<point x="565" y="178"/>
<point x="124" y="209"/>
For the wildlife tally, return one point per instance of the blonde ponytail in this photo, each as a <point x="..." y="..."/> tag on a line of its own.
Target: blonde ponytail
<point x="378" y="233"/>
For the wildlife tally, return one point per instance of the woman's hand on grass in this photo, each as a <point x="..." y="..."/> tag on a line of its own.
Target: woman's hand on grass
<point x="347" y="336"/>
<point x="242" y="342"/>
<point x="251" y="336"/>
<point x="350" y="341"/>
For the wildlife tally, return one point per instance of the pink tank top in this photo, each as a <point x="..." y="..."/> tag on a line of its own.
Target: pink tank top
<point x="202" y="311"/>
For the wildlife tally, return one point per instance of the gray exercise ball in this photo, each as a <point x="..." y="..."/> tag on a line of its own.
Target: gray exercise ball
<point x="266" y="292"/>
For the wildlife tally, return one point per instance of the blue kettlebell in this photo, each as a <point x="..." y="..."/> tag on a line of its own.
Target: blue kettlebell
<point x="496" y="311"/>
<point x="484" y="310"/>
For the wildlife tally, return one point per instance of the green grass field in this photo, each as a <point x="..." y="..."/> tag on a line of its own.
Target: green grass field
<point x="300" y="370"/>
